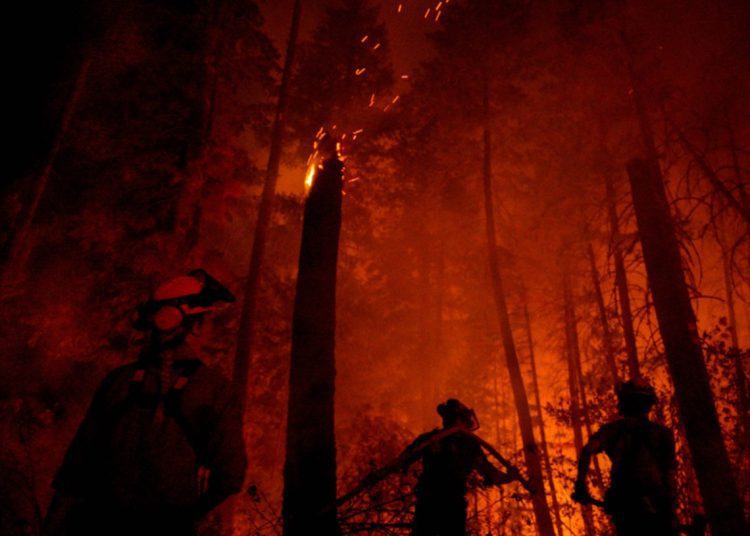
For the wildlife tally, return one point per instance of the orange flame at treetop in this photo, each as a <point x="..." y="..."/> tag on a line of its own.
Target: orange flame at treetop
<point x="310" y="176"/>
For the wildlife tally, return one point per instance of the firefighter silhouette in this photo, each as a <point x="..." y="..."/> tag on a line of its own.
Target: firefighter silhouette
<point x="449" y="455"/>
<point x="446" y="466"/>
<point x="640" y="499"/>
<point x="161" y="444"/>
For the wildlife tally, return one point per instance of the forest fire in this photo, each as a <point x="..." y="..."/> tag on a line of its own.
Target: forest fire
<point x="530" y="215"/>
<point x="312" y="169"/>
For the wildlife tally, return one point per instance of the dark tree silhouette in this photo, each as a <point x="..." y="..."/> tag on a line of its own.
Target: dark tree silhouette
<point x="310" y="469"/>
<point x="245" y="336"/>
<point x="679" y="332"/>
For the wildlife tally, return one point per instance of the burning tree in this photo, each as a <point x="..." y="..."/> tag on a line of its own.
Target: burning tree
<point x="310" y="469"/>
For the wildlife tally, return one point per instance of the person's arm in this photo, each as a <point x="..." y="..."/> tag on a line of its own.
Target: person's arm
<point x="407" y="457"/>
<point x="402" y="463"/>
<point x="225" y="463"/>
<point x="492" y="475"/>
<point x="414" y="450"/>
<point x="594" y="446"/>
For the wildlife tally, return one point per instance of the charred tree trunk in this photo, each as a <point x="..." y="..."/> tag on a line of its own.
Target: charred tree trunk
<point x="679" y="332"/>
<point x="576" y="421"/>
<point x="310" y="468"/>
<point x="684" y="355"/>
<point x="540" y="415"/>
<point x="530" y="450"/>
<point x="246" y="333"/>
<point x="606" y="333"/>
<point x="621" y="281"/>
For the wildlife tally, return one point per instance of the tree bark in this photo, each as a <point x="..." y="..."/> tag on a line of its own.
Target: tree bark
<point x="540" y="414"/>
<point x="310" y="468"/>
<point x="571" y="343"/>
<point x="621" y="281"/>
<point x="684" y="355"/>
<point x="245" y="336"/>
<point x="609" y="353"/>
<point x="530" y="450"/>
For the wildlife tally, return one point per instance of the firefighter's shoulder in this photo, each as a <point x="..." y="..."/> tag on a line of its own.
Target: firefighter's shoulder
<point x="118" y="376"/>
<point x="423" y="438"/>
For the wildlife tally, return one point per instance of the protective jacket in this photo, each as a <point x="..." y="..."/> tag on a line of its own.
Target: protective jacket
<point x="640" y="498"/>
<point x="134" y="459"/>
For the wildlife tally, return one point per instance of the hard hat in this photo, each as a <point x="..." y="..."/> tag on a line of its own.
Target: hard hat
<point x="183" y="296"/>
<point x="636" y="391"/>
<point x="453" y="409"/>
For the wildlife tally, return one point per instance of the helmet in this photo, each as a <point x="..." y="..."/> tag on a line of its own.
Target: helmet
<point x="635" y="396"/>
<point x="453" y="409"/>
<point x="182" y="297"/>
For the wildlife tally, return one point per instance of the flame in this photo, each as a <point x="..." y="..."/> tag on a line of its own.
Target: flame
<point x="310" y="176"/>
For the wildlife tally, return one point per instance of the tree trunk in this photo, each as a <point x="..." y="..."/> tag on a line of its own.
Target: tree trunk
<point x="530" y="450"/>
<point x="571" y="342"/>
<point x="246" y="332"/>
<point x="585" y="413"/>
<point x="684" y="355"/>
<point x="621" y="281"/>
<point x="17" y="247"/>
<point x="310" y="468"/>
<point x="500" y="417"/>
<point x="606" y="333"/>
<point x="540" y="414"/>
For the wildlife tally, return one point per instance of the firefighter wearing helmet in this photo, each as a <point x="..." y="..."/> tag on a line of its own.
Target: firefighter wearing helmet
<point x="640" y="499"/>
<point x="161" y="444"/>
<point x="448" y="462"/>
